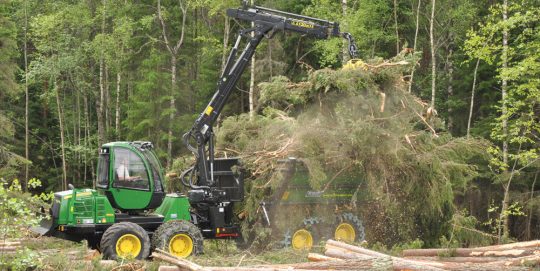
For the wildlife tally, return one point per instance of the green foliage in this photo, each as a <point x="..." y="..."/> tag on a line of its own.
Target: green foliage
<point x="18" y="210"/>
<point x="8" y="46"/>
<point x="17" y="213"/>
<point x="497" y="215"/>
<point x="522" y="74"/>
<point x="23" y="260"/>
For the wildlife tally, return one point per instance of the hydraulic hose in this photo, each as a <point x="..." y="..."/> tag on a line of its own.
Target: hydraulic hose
<point x="190" y="183"/>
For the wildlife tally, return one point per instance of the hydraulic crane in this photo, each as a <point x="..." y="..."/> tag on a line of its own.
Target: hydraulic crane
<point x="267" y="22"/>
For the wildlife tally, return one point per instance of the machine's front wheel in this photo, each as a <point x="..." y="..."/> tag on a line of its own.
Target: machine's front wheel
<point x="180" y="238"/>
<point x="125" y="240"/>
<point x="302" y="239"/>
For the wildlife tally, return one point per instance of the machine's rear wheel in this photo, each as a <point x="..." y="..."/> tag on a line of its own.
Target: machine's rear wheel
<point x="180" y="238"/>
<point x="125" y="240"/>
<point x="349" y="228"/>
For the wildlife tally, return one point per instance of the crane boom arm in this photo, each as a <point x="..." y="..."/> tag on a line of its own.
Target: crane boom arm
<point x="267" y="22"/>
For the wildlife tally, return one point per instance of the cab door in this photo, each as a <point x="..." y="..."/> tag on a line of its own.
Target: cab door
<point x="131" y="187"/>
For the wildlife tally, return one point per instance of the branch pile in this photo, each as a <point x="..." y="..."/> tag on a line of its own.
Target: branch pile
<point x="360" y="125"/>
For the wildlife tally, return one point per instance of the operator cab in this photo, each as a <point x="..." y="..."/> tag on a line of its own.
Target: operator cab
<point x="130" y="175"/>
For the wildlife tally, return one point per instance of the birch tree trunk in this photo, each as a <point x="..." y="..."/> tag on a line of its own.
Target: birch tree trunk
<point x="433" y="60"/>
<point x="450" y="88"/>
<point x="117" y="111"/>
<point x="26" y="99"/>
<point x="107" y="104"/>
<point x="226" y="34"/>
<point x="396" y="26"/>
<point x="86" y="132"/>
<point x="173" y="51"/>
<point x="414" y="45"/>
<point x="252" y="89"/>
<point x="472" y="98"/>
<point x="77" y="141"/>
<point x="172" y="108"/>
<point x="61" y="123"/>
<point x="504" y="87"/>
<point x="101" y="101"/>
<point x="252" y="80"/>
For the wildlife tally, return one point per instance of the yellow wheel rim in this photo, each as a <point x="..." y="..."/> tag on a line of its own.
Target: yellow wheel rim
<point x="345" y="232"/>
<point x="302" y="240"/>
<point x="181" y="245"/>
<point x="128" y="246"/>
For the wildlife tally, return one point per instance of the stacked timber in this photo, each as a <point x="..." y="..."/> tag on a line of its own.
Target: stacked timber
<point x="507" y="255"/>
<point x="9" y="246"/>
<point x="342" y="256"/>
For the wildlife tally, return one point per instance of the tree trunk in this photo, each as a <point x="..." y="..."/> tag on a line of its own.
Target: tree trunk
<point x="529" y="216"/>
<point x="433" y="60"/>
<point x="78" y="142"/>
<point x="314" y="257"/>
<point x="100" y="103"/>
<point x="396" y="26"/>
<point x="270" y="61"/>
<point x="117" y="111"/>
<point x="398" y="263"/>
<point x="174" y="53"/>
<point x="252" y="80"/>
<point x="62" y="146"/>
<point x="414" y="45"/>
<point x="26" y="101"/>
<point x="345" y="49"/>
<point x="458" y="259"/>
<point x="472" y="98"/>
<point x="172" y="108"/>
<point x="226" y="34"/>
<point x="477" y="251"/>
<point x="450" y="89"/>
<point x="107" y="102"/>
<point x="470" y="252"/>
<point x="506" y="200"/>
<point x="343" y="254"/>
<point x="86" y="137"/>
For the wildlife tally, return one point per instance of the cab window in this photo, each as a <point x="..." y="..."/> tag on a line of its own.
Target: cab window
<point x="155" y="167"/>
<point x="129" y="170"/>
<point x="103" y="170"/>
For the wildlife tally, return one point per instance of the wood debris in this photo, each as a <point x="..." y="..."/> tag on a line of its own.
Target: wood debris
<point x="342" y="256"/>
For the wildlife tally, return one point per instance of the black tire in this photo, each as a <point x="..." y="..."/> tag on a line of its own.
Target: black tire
<point x="311" y="225"/>
<point x="165" y="233"/>
<point x="93" y="241"/>
<point x="354" y="221"/>
<point x="115" y="232"/>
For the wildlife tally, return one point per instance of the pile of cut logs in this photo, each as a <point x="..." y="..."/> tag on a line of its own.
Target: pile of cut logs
<point x="342" y="256"/>
<point x="516" y="256"/>
<point x="9" y="246"/>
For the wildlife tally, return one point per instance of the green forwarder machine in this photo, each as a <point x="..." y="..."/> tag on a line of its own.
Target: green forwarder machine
<point x="130" y="213"/>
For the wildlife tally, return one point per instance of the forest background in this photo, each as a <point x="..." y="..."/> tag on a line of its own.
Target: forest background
<point x="76" y="74"/>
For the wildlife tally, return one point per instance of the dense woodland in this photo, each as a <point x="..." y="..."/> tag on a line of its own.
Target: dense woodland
<point x="76" y="74"/>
